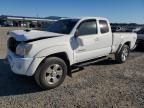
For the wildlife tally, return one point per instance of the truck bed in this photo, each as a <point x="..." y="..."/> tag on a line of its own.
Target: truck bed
<point x="119" y="38"/>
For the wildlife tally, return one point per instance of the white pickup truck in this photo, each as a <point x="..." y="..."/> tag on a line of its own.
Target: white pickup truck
<point x="49" y="55"/>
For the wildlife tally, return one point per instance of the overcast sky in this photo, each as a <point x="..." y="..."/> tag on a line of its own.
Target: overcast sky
<point x="116" y="10"/>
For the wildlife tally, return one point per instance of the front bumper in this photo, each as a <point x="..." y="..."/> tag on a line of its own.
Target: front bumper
<point x="23" y="66"/>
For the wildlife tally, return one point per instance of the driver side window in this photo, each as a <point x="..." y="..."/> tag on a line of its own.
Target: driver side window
<point x="88" y="27"/>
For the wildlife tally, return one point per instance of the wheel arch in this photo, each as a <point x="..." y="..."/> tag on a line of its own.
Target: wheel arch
<point x="61" y="55"/>
<point x="121" y="45"/>
<point x="127" y="43"/>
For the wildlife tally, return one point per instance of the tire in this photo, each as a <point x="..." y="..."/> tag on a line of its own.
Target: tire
<point x="123" y="55"/>
<point x="51" y="73"/>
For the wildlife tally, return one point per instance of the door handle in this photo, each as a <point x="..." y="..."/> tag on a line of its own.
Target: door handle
<point x="81" y="50"/>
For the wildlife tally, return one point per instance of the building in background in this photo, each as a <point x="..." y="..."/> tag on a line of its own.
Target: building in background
<point x="21" y="21"/>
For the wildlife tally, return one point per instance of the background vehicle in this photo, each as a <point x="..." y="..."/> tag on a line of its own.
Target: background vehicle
<point x="140" y="37"/>
<point x="48" y="55"/>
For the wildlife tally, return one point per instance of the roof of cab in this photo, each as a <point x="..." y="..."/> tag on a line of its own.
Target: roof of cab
<point x="84" y="18"/>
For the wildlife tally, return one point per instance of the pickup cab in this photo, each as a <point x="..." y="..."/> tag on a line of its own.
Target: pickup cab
<point x="49" y="55"/>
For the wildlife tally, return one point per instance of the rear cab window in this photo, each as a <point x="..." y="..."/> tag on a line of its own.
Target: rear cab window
<point x="104" y="27"/>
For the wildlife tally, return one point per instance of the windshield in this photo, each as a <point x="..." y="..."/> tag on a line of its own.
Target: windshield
<point x="141" y="31"/>
<point x="62" y="26"/>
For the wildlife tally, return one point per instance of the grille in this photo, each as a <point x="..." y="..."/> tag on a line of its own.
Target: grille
<point x="12" y="44"/>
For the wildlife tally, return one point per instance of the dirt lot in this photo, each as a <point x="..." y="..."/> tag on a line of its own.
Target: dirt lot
<point x="100" y="85"/>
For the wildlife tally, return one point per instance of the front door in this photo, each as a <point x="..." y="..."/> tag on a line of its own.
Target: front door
<point x="87" y="41"/>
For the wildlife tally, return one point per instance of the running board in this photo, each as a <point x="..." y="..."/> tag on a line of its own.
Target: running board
<point x="82" y="64"/>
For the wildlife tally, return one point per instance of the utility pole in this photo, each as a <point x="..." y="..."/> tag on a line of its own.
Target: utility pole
<point x="37" y="16"/>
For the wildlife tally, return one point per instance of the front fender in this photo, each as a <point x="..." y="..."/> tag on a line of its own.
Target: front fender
<point x="54" y="50"/>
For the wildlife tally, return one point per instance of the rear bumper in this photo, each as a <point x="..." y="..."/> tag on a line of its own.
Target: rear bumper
<point x="23" y="66"/>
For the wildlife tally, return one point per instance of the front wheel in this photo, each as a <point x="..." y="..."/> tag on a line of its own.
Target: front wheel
<point x="122" y="56"/>
<point x="51" y="73"/>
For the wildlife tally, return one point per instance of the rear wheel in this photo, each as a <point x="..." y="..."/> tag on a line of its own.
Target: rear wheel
<point x="51" y="73"/>
<point x="122" y="56"/>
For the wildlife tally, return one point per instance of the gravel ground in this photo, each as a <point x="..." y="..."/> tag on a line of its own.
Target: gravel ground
<point x="100" y="85"/>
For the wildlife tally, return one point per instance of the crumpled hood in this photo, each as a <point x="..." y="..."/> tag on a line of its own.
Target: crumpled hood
<point x="23" y="35"/>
